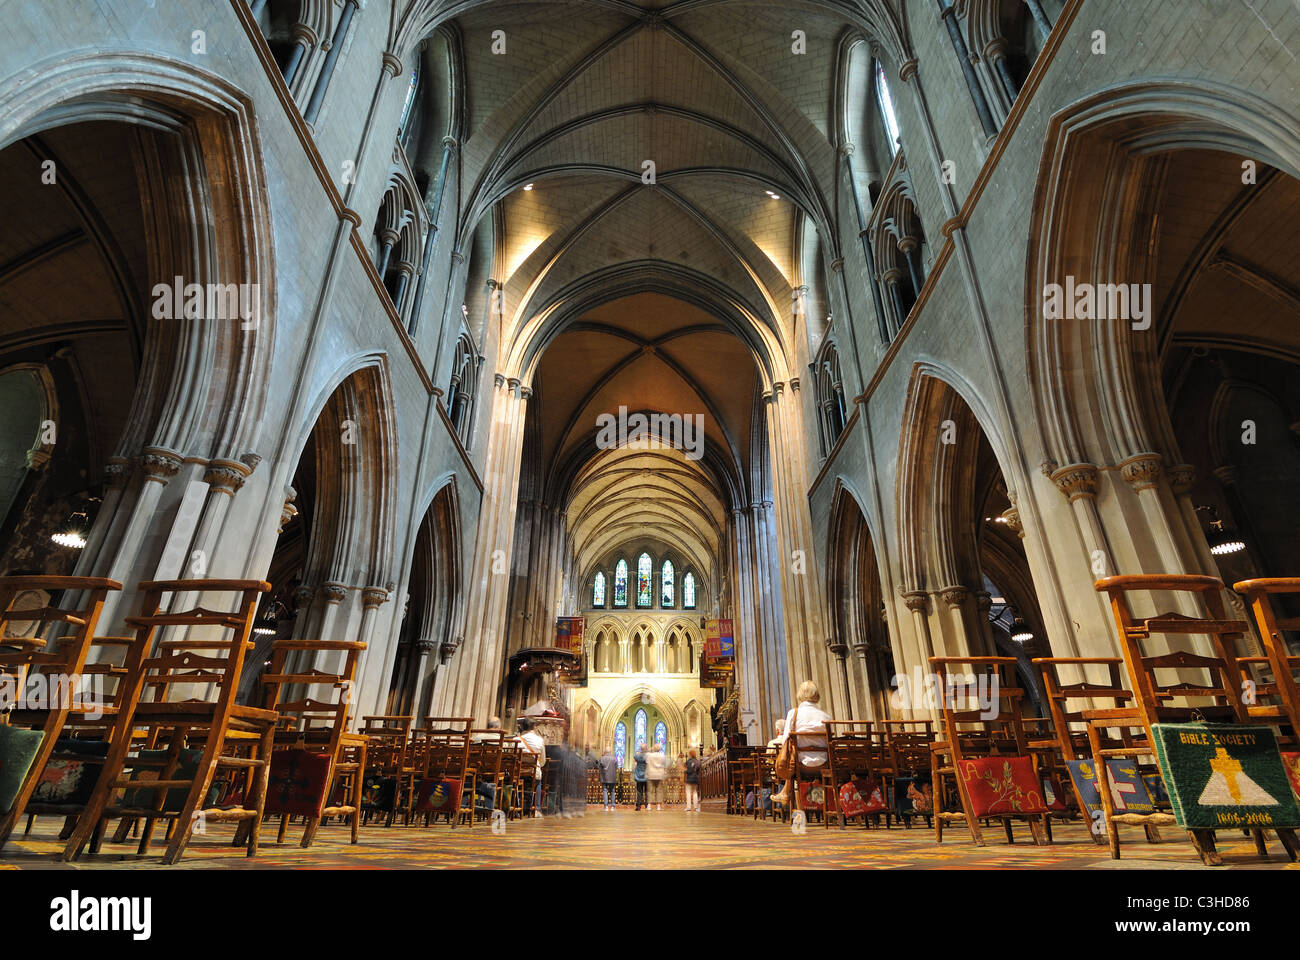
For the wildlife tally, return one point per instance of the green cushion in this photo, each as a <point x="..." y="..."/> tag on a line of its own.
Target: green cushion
<point x="18" y="748"/>
<point x="186" y="769"/>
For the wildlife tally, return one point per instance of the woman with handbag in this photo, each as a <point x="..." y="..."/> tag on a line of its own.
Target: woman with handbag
<point x="808" y="721"/>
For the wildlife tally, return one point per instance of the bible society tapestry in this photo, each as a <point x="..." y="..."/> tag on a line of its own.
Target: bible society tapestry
<point x="1224" y="775"/>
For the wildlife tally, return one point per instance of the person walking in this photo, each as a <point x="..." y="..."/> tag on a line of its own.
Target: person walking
<point x="638" y="777"/>
<point x="692" y="782"/>
<point x="535" y="745"/>
<point x="656" y="772"/>
<point x="608" y="778"/>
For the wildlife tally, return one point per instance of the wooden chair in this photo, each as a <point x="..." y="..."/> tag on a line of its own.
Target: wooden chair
<point x="512" y="765"/>
<point x="740" y="775"/>
<point x="446" y="745"/>
<point x="974" y="734"/>
<point x="486" y="753"/>
<point x="322" y="725"/>
<point x="1152" y="696"/>
<point x="854" y="751"/>
<point x="1277" y="659"/>
<point x="224" y="728"/>
<point x="1071" y="727"/>
<point x="388" y="739"/>
<point x="57" y="661"/>
<point x="906" y="747"/>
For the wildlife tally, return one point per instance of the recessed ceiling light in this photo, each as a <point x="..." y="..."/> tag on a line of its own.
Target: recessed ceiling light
<point x="528" y="186"/>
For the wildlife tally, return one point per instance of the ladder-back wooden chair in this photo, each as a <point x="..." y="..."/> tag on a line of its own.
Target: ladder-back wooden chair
<point x="1278" y="660"/>
<point x="855" y="753"/>
<point x="388" y="743"/>
<point x="512" y="765"/>
<point x="906" y="745"/>
<point x="972" y="744"/>
<point x="446" y="761"/>
<point x="486" y="753"/>
<point x="1071" y="726"/>
<point x="1153" y="695"/>
<point x="227" y="735"/>
<point x="50" y="664"/>
<point x="321" y="732"/>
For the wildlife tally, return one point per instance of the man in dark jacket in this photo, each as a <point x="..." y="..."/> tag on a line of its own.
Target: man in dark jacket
<point x="638" y="776"/>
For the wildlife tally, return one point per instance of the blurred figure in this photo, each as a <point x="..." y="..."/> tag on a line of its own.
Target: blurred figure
<point x="485" y="792"/>
<point x="608" y="778"/>
<point x="656" y="772"/>
<point x="692" y="783"/>
<point x="638" y="776"/>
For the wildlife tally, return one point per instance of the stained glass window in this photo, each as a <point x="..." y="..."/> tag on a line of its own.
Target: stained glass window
<point x="661" y="735"/>
<point x="620" y="584"/>
<point x="887" y="108"/>
<point x="644" y="574"/>
<point x="620" y="742"/>
<point x="669" y="581"/>
<point x="598" y="591"/>
<point x="688" y="591"/>
<point x="639" y="731"/>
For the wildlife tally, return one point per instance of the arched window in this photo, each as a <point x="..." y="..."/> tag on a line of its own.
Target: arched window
<point x="460" y="390"/>
<point x="639" y="731"/>
<point x="644" y="575"/>
<point x="688" y="592"/>
<point x="888" y="118"/>
<point x="661" y="736"/>
<point x="404" y="125"/>
<point x="669" y="581"/>
<point x="598" y="590"/>
<point x="620" y="584"/>
<point x="620" y="742"/>
<point x="830" y="396"/>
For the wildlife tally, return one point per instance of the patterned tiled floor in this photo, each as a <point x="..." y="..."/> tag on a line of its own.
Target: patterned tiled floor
<point x="650" y="840"/>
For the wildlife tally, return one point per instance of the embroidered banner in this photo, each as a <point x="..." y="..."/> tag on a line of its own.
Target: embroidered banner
<point x="1128" y="789"/>
<point x="1222" y="775"/>
<point x="1002" y="786"/>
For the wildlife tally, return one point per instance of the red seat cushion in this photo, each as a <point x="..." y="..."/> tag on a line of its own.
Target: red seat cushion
<point x="297" y="782"/>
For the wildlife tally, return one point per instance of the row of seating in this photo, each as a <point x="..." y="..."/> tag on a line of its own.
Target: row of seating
<point x="984" y="757"/>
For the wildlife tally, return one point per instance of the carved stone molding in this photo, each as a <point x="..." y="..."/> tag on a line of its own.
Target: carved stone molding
<point x="334" y="592"/>
<point x="1226" y="474"/>
<point x="953" y="596"/>
<point x="392" y="65"/>
<point x="160" y="465"/>
<point x="116" y="473"/>
<point x="1012" y="516"/>
<point x="908" y="69"/>
<point x="1182" y="477"/>
<point x="373" y="597"/>
<point x="226" y="476"/>
<point x="304" y="595"/>
<point x="1141" y="471"/>
<point x="918" y="601"/>
<point x="983" y="601"/>
<point x="289" y="510"/>
<point x="1076" y="480"/>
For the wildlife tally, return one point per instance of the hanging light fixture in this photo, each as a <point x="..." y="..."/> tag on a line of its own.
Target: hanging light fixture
<point x="74" y="531"/>
<point x="1020" y="631"/>
<point x="265" y="625"/>
<point x="1224" y="541"/>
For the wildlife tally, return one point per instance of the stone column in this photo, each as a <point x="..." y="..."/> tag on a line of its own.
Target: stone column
<point x="331" y="58"/>
<point x="304" y="38"/>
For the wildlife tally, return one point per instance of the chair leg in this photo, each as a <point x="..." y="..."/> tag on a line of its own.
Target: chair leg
<point x="309" y="832"/>
<point x="1289" y="843"/>
<point x="1203" y="841"/>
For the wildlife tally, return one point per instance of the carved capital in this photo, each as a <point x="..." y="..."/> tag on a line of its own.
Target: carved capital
<point x="304" y="595"/>
<point x="1182" y="477"/>
<point x="226" y="476"/>
<point x="1226" y="474"/>
<point x="116" y="473"/>
<point x="983" y="601"/>
<point x="1142" y="471"/>
<point x="908" y="69"/>
<point x="837" y="265"/>
<point x="334" y="592"/>
<point x="847" y="149"/>
<point x="918" y="601"/>
<point x="373" y="597"/>
<point x="392" y="65"/>
<point x="953" y="596"/>
<point x="160" y="465"/>
<point x="1012" y="517"/>
<point x="1076" y="480"/>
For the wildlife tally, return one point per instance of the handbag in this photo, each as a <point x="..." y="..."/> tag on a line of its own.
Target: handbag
<point x="787" y="755"/>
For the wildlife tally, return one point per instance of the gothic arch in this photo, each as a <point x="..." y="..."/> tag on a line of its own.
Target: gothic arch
<point x="667" y="706"/>
<point x="198" y="397"/>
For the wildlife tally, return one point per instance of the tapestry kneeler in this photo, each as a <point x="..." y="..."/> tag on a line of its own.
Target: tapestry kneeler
<point x="1002" y="786"/>
<point x="1223" y="776"/>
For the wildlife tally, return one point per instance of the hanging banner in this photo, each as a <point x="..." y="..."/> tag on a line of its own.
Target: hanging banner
<point x="718" y="661"/>
<point x="569" y="634"/>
